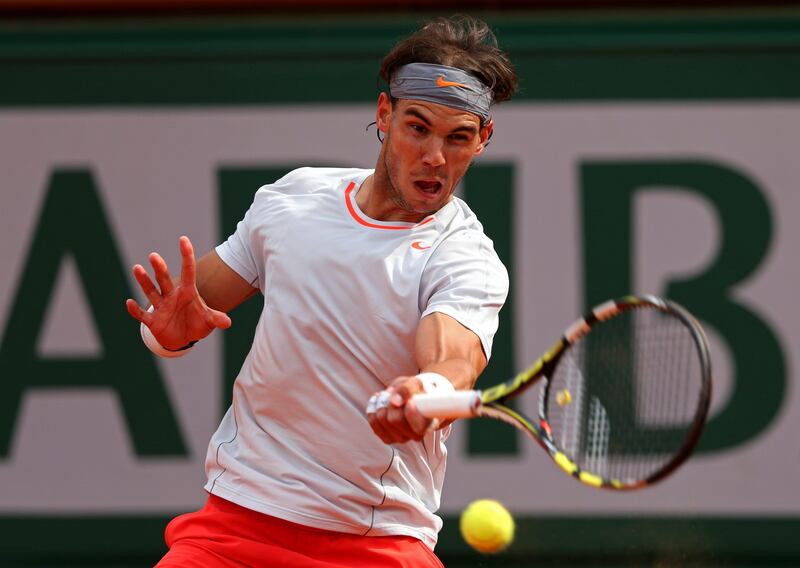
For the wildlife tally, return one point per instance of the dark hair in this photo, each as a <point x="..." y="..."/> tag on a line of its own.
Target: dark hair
<point x="459" y="41"/>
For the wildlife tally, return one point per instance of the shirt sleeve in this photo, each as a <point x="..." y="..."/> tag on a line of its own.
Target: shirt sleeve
<point x="244" y="250"/>
<point x="237" y="253"/>
<point x="465" y="280"/>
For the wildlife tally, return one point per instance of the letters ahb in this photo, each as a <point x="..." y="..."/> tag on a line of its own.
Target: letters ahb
<point x="73" y="221"/>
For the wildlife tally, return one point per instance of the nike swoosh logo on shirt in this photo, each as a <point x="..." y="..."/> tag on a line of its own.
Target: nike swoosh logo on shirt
<point x="419" y="245"/>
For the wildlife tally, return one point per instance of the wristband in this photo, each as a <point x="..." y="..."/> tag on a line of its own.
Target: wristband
<point x="434" y="382"/>
<point x="153" y="345"/>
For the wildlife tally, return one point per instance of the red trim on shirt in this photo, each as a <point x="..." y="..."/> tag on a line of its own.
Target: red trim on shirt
<point x="361" y="221"/>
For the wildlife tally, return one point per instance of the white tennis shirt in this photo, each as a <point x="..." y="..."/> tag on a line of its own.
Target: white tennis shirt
<point x="343" y="296"/>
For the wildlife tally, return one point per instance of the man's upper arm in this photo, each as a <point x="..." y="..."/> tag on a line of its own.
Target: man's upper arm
<point x="219" y="285"/>
<point x="446" y="347"/>
<point x="466" y="280"/>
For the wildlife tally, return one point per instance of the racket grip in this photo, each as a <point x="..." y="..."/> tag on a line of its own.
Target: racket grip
<point x="458" y="404"/>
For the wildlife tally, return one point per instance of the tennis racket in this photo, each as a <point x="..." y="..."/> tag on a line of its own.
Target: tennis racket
<point x="626" y="392"/>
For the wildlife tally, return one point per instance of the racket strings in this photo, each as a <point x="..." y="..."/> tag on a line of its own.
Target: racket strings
<point x="622" y="401"/>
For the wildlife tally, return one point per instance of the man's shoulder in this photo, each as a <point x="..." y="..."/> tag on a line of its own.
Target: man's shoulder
<point x="314" y="179"/>
<point x="462" y="221"/>
<point x="463" y="234"/>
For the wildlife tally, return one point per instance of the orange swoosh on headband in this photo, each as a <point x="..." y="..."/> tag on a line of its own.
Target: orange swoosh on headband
<point x="419" y="245"/>
<point x="440" y="82"/>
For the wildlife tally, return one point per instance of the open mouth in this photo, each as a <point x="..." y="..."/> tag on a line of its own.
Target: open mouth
<point x="430" y="187"/>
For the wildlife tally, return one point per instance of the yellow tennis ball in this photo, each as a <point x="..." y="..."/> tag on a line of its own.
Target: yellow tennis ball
<point x="487" y="526"/>
<point x="563" y="397"/>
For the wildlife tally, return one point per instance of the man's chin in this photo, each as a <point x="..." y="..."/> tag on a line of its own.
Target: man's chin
<point x="428" y="202"/>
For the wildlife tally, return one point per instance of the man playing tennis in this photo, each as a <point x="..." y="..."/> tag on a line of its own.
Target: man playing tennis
<point x="375" y="281"/>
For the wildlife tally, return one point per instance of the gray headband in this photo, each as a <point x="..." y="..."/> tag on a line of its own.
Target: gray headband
<point x="442" y="85"/>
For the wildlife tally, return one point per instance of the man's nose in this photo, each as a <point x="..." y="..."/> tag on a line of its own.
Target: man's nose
<point x="433" y="153"/>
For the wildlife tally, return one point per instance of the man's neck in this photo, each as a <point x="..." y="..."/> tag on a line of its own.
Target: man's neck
<point x="374" y="198"/>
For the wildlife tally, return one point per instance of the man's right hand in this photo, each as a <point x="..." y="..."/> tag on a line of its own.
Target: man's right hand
<point x="179" y="314"/>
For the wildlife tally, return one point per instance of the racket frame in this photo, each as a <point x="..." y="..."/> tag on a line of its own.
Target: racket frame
<point x="492" y="399"/>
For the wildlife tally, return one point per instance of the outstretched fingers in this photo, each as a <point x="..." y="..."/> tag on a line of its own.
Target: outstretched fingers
<point x="147" y="286"/>
<point x="180" y="312"/>
<point x="161" y="272"/>
<point x="137" y="312"/>
<point x="188" y="262"/>
<point x="215" y="318"/>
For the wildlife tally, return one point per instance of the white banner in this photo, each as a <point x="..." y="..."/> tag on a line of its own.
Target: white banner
<point x="155" y="172"/>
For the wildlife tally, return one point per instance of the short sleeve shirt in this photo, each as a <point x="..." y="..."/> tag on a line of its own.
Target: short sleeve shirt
<point x="343" y="297"/>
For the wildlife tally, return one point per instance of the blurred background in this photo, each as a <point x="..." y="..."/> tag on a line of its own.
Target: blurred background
<point x="652" y="148"/>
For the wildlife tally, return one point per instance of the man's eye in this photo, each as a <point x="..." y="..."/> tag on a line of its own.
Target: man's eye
<point x="418" y="127"/>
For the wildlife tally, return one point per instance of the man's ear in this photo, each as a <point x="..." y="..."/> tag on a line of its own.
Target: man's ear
<point x="383" y="113"/>
<point x="485" y="134"/>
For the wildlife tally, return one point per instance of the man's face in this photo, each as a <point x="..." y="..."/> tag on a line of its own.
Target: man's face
<point x="427" y="150"/>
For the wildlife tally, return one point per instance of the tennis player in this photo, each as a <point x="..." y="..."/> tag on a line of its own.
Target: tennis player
<point x="377" y="284"/>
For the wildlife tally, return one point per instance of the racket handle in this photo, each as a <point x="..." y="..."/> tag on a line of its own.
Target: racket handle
<point x="458" y="404"/>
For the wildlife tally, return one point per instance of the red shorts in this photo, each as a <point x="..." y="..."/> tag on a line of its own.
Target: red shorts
<point x="223" y="534"/>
